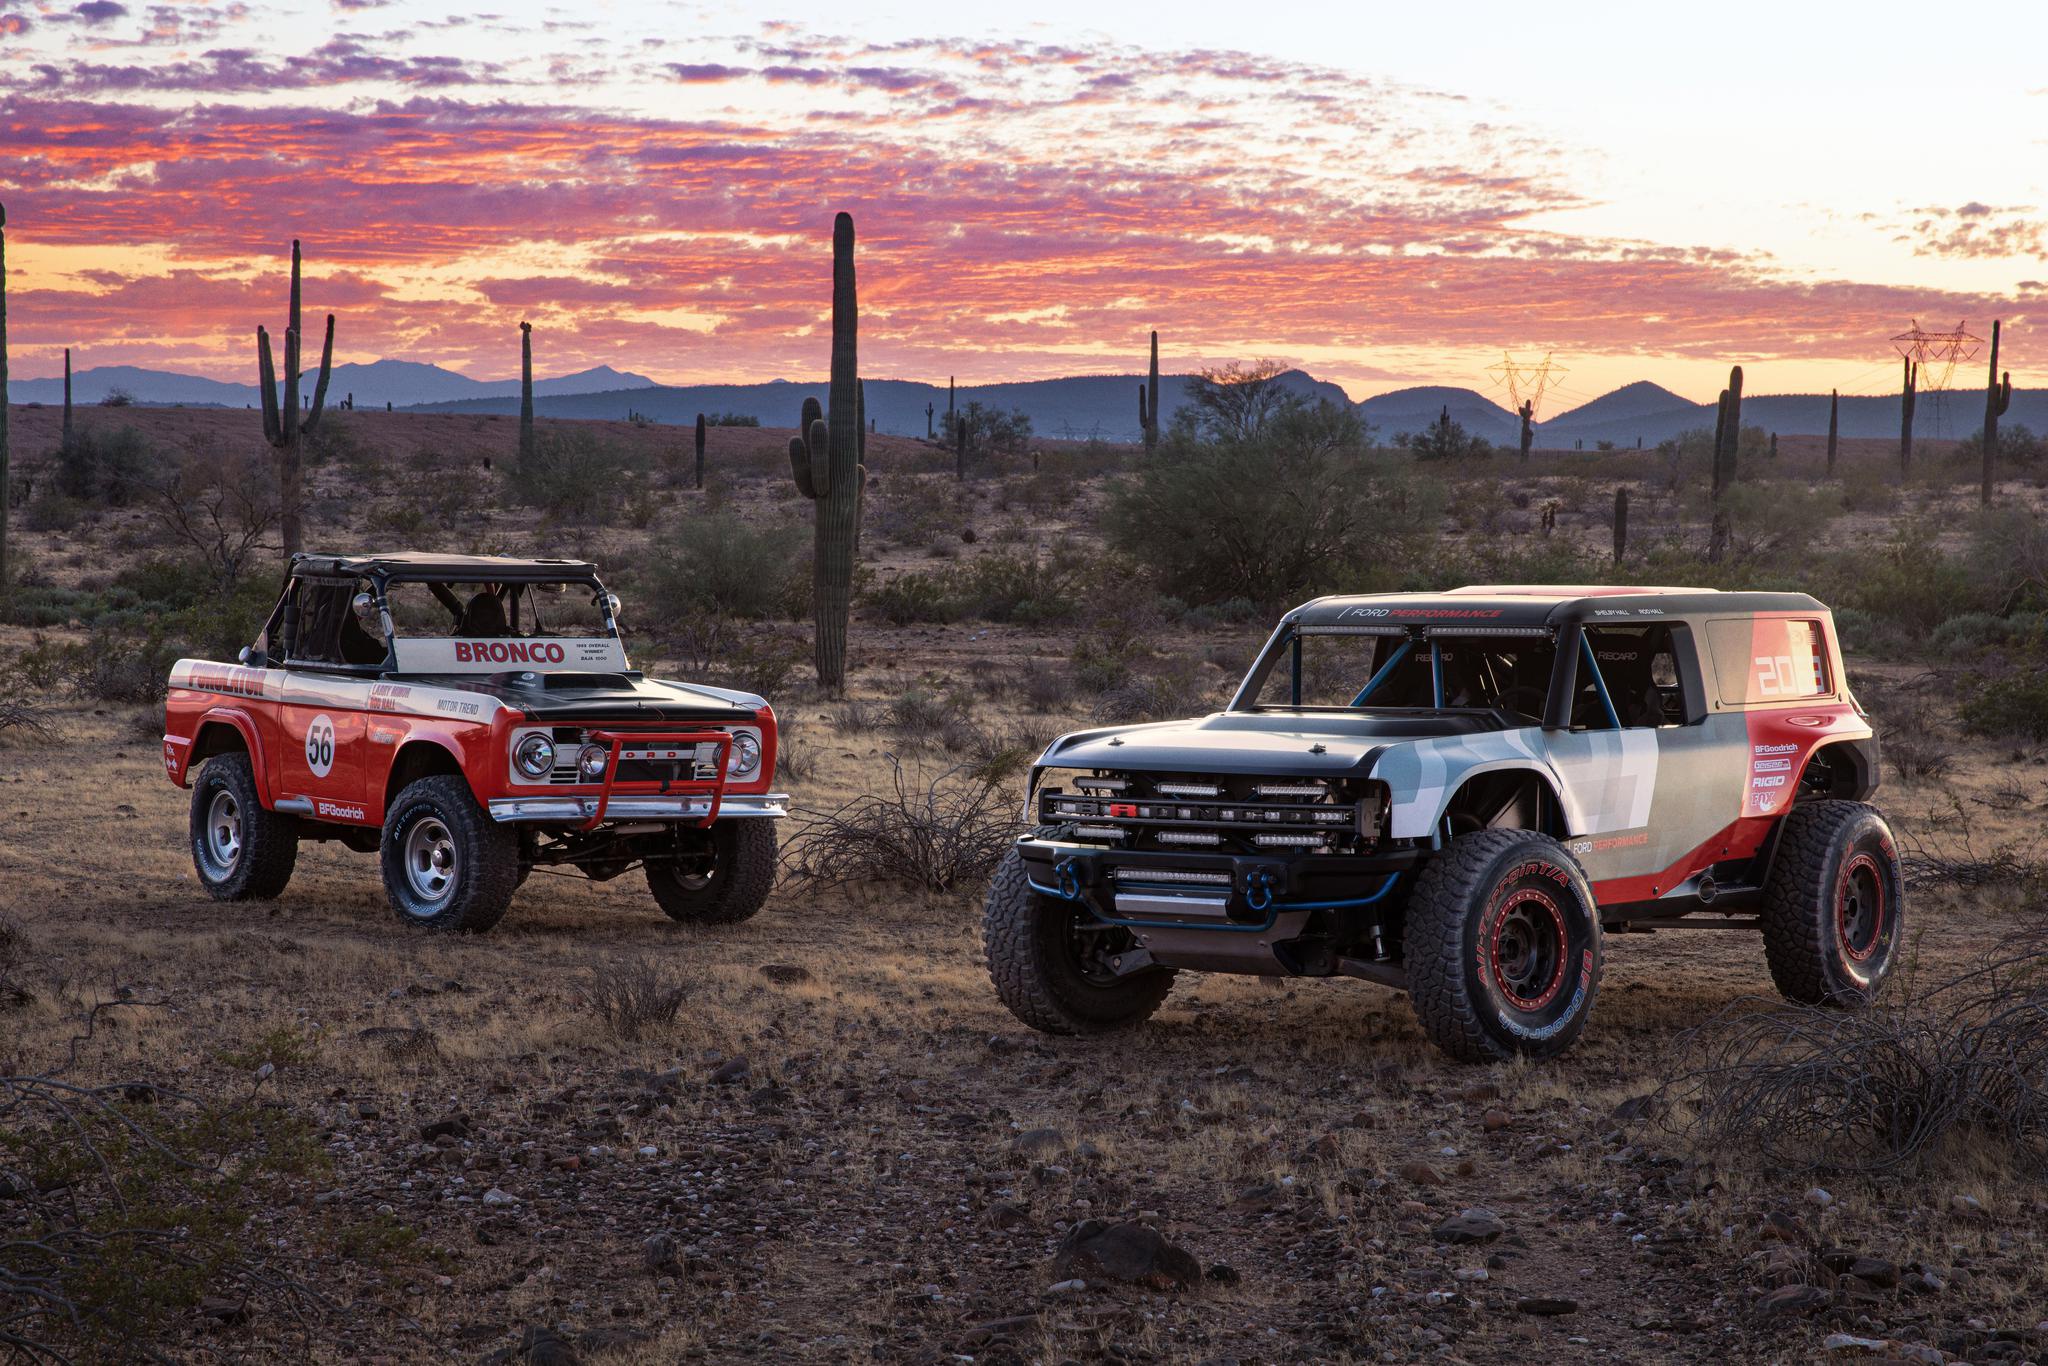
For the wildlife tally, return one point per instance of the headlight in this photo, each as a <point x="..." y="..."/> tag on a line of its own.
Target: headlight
<point x="591" y="763"/>
<point x="745" y="756"/>
<point x="535" y="756"/>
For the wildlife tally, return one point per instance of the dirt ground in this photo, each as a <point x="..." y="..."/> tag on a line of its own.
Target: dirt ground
<point x="845" y="1150"/>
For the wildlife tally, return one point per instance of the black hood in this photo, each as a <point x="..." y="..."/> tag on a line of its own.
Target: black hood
<point x="1308" y="743"/>
<point x="568" y="698"/>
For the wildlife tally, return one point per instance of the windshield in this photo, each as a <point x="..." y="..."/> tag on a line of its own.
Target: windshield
<point x="1397" y="671"/>
<point x="496" y="611"/>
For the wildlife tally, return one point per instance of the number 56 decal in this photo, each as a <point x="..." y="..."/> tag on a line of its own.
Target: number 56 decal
<point x="320" y="745"/>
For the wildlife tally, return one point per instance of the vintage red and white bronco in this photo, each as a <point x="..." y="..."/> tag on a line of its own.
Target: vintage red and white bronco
<point x="469" y="718"/>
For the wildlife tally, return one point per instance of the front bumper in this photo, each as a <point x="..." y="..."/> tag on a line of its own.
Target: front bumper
<point x="578" y="810"/>
<point x="1223" y="891"/>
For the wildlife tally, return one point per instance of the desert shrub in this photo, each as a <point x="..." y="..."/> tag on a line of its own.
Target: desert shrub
<point x="1911" y="736"/>
<point x="942" y="833"/>
<point x="796" y="758"/>
<point x="1445" y="439"/>
<point x="1765" y="519"/>
<point x="1175" y="691"/>
<point x="731" y="420"/>
<point x="2015" y="703"/>
<point x="855" y="717"/>
<point x="105" y="467"/>
<point x="915" y="598"/>
<point x="632" y="995"/>
<point x="986" y="431"/>
<point x="220" y="508"/>
<point x="923" y="717"/>
<point x="1970" y="632"/>
<point x="53" y="511"/>
<point x="22" y="717"/>
<point x="1906" y="580"/>
<point x="1046" y="686"/>
<point x="723" y="566"/>
<point x="1910" y="1080"/>
<point x="1006" y="586"/>
<point x="573" y="475"/>
<point x="1867" y="495"/>
<point x="14" y="961"/>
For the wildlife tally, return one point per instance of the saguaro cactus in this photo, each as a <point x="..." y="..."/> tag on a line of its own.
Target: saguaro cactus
<point x="949" y="396"/>
<point x="1997" y="398"/>
<point x="1152" y="399"/>
<point x="960" y="447"/>
<point x="525" y="395"/>
<point x="1834" y="426"/>
<point x="1727" y="445"/>
<point x="700" y="450"/>
<point x="860" y="417"/>
<point x="825" y="462"/>
<point x="1527" y="411"/>
<point x="928" y="412"/>
<point x="3" y="398"/>
<point x="67" y="398"/>
<point x="1620" y="524"/>
<point x="284" y="426"/>
<point x="1909" y="399"/>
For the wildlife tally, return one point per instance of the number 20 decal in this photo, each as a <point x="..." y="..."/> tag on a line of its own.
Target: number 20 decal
<point x="320" y="745"/>
<point x="1778" y="676"/>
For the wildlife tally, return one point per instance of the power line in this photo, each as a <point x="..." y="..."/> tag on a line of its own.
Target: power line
<point x="1526" y="380"/>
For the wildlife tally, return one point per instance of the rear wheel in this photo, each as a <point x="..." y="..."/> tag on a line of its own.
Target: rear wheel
<point x="1503" y="947"/>
<point x="1834" y="904"/>
<point x="1051" y="963"/>
<point x="730" y="887"/>
<point x="447" y="865"/>
<point x="241" y="851"/>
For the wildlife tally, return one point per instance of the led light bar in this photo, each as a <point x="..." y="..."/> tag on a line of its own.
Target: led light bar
<point x="1190" y="789"/>
<point x="1101" y="784"/>
<point x="1291" y="790"/>
<point x="1170" y="875"/>
<point x="1189" y="837"/>
<point x="1099" y="832"/>
<point x="1351" y="630"/>
<point x="1286" y="841"/>
<point x="1523" y="632"/>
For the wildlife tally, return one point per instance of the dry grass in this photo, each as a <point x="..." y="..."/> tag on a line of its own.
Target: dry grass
<point x="635" y="995"/>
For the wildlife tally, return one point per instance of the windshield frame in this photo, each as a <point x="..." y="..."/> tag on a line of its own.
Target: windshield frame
<point x="1283" y="648"/>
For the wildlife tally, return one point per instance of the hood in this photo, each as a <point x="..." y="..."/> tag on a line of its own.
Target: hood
<point x="1307" y="743"/>
<point x="583" y="698"/>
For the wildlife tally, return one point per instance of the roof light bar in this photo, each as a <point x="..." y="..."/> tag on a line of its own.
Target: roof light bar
<point x="1350" y="630"/>
<point x="1521" y="632"/>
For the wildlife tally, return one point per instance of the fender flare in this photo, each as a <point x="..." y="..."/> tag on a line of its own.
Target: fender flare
<point x="1405" y="824"/>
<point x="238" y="720"/>
<point x="413" y="744"/>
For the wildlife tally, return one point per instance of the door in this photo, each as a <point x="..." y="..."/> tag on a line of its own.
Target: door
<point x="324" y="710"/>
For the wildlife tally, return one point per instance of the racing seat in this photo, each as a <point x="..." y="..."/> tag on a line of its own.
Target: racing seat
<point x="484" y="617"/>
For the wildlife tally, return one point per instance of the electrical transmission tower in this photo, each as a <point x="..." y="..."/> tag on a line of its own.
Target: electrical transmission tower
<point x="1938" y="354"/>
<point x="1525" y="381"/>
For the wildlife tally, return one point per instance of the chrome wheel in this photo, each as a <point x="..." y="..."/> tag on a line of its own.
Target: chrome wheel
<point x="221" y="845"/>
<point x="431" y="864"/>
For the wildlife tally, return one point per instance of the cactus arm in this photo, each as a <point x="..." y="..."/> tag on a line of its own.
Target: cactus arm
<point x="320" y="388"/>
<point x="266" y="380"/>
<point x="800" y="467"/>
<point x="820" y="447"/>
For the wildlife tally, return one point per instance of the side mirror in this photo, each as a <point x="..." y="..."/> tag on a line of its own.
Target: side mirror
<point x="611" y="605"/>
<point x="366" y="611"/>
<point x="253" y="657"/>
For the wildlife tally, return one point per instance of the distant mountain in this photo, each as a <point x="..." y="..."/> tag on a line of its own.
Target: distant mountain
<point x="1412" y="410"/>
<point x="1944" y="416"/>
<point x="1076" y="408"/>
<point x="401" y="383"/>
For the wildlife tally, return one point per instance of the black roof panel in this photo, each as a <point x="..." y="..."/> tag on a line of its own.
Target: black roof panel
<point x="465" y="568"/>
<point x="1519" y="605"/>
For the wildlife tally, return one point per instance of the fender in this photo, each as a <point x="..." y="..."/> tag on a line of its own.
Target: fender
<point x="1424" y="776"/>
<point x="252" y="739"/>
<point x="418" y="754"/>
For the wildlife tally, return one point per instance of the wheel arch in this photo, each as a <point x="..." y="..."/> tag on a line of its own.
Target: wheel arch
<point x="1853" y="766"/>
<point x="1515" y="797"/>
<point x="421" y="758"/>
<point x="1429" y="798"/>
<point x="228" y="730"/>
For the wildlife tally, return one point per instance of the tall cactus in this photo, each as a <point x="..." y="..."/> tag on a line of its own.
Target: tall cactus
<point x="825" y="463"/>
<point x="3" y="400"/>
<point x="960" y="448"/>
<point x="66" y="438"/>
<point x="1152" y="399"/>
<point x="860" y="418"/>
<point x="1727" y="445"/>
<point x="1620" y="524"/>
<point x="700" y="450"/>
<point x="1834" y="427"/>
<point x="949" y="396"/>
<point x="928" y="411"/>
<point x="1997" y="398"/>
<point x="1909" y="399"/>
<point x="284" y="427"/>
<point x="1527" y="411"/>
<point x="526" y="444"/>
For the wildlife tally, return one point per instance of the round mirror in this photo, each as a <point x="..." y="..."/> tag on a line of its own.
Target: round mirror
<point x="366" y="610"/>
<point x="611" y="605"/>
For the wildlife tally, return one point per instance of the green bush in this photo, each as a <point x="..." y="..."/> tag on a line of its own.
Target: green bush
<point x="721" y="566"/>
<point x="573" y="475"/>
<point x="2016" y="704"/>
<point x="106" y="468"/>
<point x="1969" y="633"/>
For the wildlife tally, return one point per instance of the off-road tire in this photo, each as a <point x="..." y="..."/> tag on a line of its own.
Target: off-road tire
<point x="438" y="815"/>
<point x="1493" y="906"/>
<point x="1026" y="938"/>
<point x="265" y="845"/>
<point x="742" y="874"/>
<point x="1833" y="908"/>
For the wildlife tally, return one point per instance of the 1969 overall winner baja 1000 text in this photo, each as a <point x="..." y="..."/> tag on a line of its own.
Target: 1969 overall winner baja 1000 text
<point x="469" y="718"/>
<point x="1457" y="794"/>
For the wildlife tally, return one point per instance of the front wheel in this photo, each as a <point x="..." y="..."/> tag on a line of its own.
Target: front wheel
<point x="727" y="889"/>
<point x="1833" y="904"/>
<point x="1051" y="963"/>
<point x="447" y="865"/>
<point x="1503" y="947"/>
<point x="241" y="851"/>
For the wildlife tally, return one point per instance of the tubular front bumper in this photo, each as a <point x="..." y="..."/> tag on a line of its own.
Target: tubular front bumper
<point x="676" y="810"/>
<point x="1228" y="890"/>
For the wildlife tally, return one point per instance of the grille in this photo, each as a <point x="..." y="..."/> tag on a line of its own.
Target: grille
<point x="1212" y="815"/>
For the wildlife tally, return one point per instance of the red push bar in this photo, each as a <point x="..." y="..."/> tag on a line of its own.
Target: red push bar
<point x="617" y="740"/>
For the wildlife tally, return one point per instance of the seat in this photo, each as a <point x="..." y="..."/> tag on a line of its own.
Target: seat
<point x="484" y="617"/>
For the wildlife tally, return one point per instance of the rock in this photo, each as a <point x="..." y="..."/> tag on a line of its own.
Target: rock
<point x="1495" y="1120"/>
<point x="1131" y="1252"/>
<point x="495" y="1197"/>
<point x="398" y="1042"/>
<point x="1421" y="1174"/>
<point x="1475" y="1225"/>
<point x="658" y="1253"/>
<point x="541" y="1347"/>
<point x="1794" y="1299"/>
<point x="786" y="974"/>
<point x="1819" y="1197"/>
<point x="1844" y="1344"/>
<point x="1472" y="1273"/>
<point x="731" y="1072"/>
<point x="769" y="1099"/>
<point x="1223" y="1273"/>
<point x="1073" y="1287"/>
<point x="225" y="1309"/>
<point x="1260" y="1200"/>
<point x="1545" y="1306"/>
<point x="452" y="1126"/>
<point x="1966" y="1206"/>
<point x="1039" y="1143"/>
<point x="996" y="1333"/>
<point x="1006" y="1214"/>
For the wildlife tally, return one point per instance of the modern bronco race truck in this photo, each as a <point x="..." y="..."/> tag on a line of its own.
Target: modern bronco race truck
<point x="1456" y="794"/>
<point x="468" y="718"/>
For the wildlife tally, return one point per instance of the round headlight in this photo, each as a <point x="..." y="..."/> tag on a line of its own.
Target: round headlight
<point x="745" y="756"/>
<point x="535" y="756"/>
<point x="591" y="763"/>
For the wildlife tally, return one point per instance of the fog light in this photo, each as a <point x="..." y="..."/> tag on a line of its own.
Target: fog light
<point x="745" y="756"/>
<point x="591" y="763"/>
<point x="535" y="756"/>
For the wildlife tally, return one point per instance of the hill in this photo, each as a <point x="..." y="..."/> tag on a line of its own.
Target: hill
<point x="1411" y="410"/>
<point x="400" y="383"/>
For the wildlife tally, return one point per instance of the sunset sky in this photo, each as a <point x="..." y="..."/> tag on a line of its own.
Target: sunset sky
<point x="1382" y="195"/>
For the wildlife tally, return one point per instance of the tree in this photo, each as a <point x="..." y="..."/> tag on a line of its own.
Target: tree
<point x="1445" y="439"/>
<point x="988" y="432"/>
<point x="1237" y="402"/>
<point x="220" y="505"/>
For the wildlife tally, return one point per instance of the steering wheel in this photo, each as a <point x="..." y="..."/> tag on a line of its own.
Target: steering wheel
<point x="1523" y="690"/>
